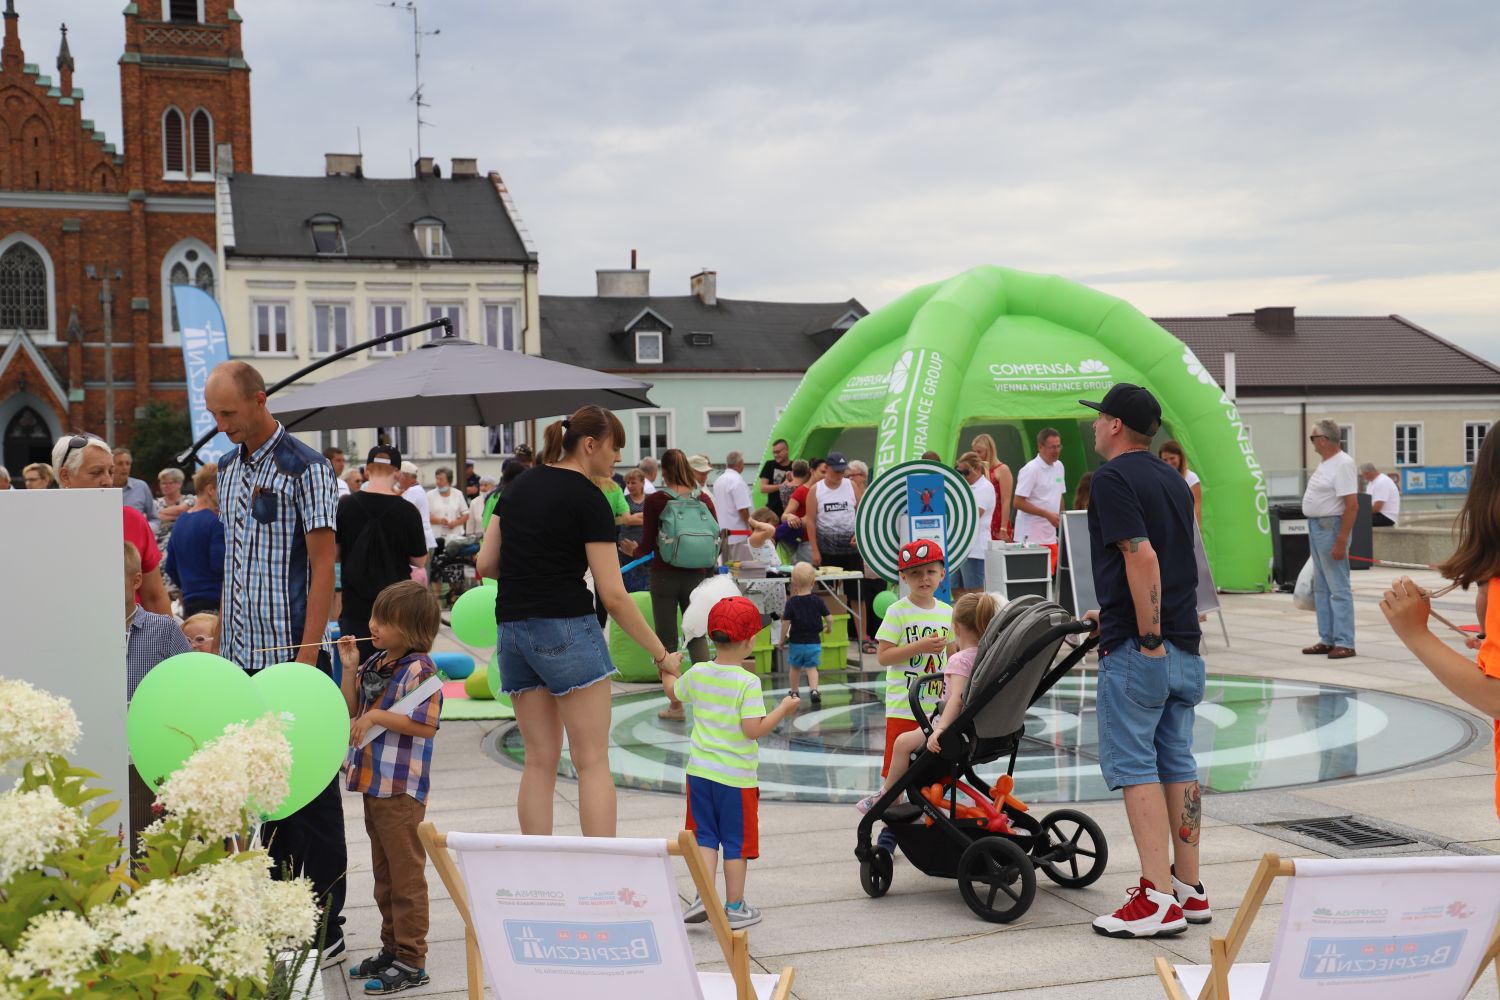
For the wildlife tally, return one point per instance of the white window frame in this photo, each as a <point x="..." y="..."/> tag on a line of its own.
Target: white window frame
<point x="423" y="230"/>
<point x="497" y="308"/>
<point x="438" y="308"/>
<point x="291" y="335"/>
<point x="400" y="438"/>
<point x="739" y="417"/>
<point x="515" y="436"/>
<point x="635" y="437"/>
<point x="166" y="12"/>
<point x="391" y="348"/>
<point x="1396" y="443"/>
<point x="661" y="345"/>
<point x="442" y="442"/>
<point x="166" y="172"/>
<point x="1346" y="439"/>
<point x="350" y="335"/>
<point x="1470" y="457"/>
<point x="341" y="248"/>
<point x="47" y="335"/>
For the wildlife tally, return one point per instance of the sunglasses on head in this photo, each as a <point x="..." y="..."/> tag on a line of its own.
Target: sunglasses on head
<point x="75" y="442"/>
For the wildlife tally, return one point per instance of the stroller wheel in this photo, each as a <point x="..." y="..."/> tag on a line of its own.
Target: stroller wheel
<point x="875" y="874"/>
<point x="1071" y="849"/>
<point x="996" y="879"/>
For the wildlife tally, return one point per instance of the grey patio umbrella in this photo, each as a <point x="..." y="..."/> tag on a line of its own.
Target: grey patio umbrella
<point x="453" y="382"/>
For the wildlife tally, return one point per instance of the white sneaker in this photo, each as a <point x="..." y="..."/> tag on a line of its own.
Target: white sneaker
<point x="744" y="916"/>
<point x="1148" y="912"/>
<point x="1193" y="900"/>
<point x="696" y="913"/>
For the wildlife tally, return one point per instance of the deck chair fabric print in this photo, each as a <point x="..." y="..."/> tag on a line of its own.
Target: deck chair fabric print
<point x="1363" y="929"/>
<point x="575" y="918"/>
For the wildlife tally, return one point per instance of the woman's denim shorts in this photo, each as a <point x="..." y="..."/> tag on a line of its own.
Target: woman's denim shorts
<point x="560" y="654"/>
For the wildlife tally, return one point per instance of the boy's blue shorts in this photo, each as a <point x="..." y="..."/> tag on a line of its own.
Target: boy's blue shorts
<point x="724" y="817"/>
<point x="804" y="654"/>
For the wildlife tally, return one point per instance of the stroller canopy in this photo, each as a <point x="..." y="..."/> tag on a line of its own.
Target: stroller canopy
<point x="1019" y="625"/>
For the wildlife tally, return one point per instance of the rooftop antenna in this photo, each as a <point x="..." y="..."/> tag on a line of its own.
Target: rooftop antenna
<point x="417" y="34"/>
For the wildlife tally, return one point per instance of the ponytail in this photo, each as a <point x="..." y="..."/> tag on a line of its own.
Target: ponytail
<point x="675" y="470"/>
<point x="975" y="611"/>
<point x="562" y="436"/>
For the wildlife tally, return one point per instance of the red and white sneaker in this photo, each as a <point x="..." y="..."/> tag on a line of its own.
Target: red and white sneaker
<point x="1149" y="912"/>
<point x="1192" y="899"/>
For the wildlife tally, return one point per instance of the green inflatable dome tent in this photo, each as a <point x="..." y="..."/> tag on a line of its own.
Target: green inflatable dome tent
<point x="1010" y="352"/>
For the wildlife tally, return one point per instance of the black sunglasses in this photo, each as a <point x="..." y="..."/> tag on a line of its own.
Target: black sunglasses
<point x="74" y="443"/>
<point x="1317" y="437"/>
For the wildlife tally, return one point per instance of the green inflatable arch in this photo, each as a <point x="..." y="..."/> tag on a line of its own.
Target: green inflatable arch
<point x="995" y="346"/>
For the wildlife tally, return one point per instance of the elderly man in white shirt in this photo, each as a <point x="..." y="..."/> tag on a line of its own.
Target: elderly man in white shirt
<point x="732" y="495"/>
<point x="1385" y="498"/>
<point x="1329" y="504"/>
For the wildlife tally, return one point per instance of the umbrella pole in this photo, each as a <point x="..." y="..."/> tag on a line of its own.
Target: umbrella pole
<point x="460" y="456"/>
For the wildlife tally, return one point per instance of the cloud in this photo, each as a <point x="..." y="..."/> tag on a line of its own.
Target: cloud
<point x="1193" y="158"/>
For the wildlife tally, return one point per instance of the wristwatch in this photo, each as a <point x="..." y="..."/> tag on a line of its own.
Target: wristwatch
<point x="1152" y="641"/>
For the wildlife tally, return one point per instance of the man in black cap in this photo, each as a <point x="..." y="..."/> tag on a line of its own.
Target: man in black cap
<point x="380" y="538"/>
<point x="1150" y="674"/>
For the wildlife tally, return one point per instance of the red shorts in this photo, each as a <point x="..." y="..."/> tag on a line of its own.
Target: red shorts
<point x="893" y="729"/>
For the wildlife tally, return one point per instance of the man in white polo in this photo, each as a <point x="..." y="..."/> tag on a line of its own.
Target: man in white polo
<point x="1385" y="498"/>
<point x="732" y="495"/>
<point x="1039" y="494"/>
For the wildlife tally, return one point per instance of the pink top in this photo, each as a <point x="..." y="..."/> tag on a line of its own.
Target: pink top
<point x="960" y="664"/>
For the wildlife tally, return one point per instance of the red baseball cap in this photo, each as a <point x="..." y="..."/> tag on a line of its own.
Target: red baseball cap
<point x="919" y="553"/>
<point x="735" y="618"/>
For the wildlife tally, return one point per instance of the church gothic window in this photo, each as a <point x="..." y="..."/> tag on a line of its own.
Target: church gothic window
<point x="174" y="142"/>
<point x="23" y="289"/>
<point x="203" y="143"/>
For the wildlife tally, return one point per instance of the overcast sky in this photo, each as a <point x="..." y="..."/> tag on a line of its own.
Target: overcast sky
<point x="1196" y="159"/>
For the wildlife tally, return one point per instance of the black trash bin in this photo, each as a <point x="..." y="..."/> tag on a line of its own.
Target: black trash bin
<point x="1289" y="544"/>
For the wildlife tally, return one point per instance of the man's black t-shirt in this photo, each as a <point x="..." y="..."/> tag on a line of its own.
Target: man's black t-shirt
<point x="388" y="560"/>
<point x="547" y="516"/>
<point x="1137" y="495"/>
<point x="774" y="474"/>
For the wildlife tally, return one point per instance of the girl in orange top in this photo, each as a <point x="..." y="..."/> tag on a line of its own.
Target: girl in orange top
<point x="1475" y="561"/>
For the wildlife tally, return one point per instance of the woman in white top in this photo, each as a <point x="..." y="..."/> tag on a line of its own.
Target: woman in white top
<point x="1171" y="452"/>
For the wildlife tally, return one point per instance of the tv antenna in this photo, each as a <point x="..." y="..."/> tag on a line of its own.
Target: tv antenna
<point x="417" y="34"/>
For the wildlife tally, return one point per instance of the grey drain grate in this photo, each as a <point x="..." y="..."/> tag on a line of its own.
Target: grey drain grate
<point x="1346" y="832"/>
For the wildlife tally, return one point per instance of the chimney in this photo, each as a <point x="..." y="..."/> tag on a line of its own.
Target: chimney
<point x="705" y="287"/>
<point x="343" y="165"/>
<point x="631" y="284"/>
<point x="464" y="167"/>
<point x="1276" y="319"/>
<point x="425" y="167"/>
<point x="1231" y="376"/>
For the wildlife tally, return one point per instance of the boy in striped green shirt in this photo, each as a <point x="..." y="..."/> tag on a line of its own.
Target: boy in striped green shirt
<point x="729" y="715"/>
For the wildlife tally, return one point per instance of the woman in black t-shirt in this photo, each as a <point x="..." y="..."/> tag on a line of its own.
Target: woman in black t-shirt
<point x="557" y="526"/>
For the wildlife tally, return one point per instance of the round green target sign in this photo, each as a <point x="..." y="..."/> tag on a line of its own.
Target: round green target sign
<point x="881" y="512"/>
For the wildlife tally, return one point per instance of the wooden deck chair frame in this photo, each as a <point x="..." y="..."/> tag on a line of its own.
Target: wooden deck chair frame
<point x="734" y="944"/>
<point x="1223" y="951"/>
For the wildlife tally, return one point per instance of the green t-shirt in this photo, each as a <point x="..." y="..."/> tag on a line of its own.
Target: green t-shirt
<point x="906" y="623"/>
<point x="617" y="502"/>
<point x="722" y="697"/>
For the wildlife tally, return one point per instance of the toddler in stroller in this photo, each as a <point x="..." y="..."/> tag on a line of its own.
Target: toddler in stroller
<point x="992" y="845"/>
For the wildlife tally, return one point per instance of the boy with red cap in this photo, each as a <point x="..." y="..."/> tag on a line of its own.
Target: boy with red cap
<point x="729" y="716"/>
<point x="914" y="637"/>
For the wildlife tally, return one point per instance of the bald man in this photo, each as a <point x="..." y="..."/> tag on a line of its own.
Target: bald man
<point x="278" y="500"/>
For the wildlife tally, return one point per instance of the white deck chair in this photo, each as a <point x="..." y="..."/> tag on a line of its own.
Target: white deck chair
<point x="1371" y="929"/>
<point x="577" y="918"/>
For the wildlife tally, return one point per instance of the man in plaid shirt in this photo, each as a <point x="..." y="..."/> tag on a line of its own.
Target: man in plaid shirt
<point x="278" y="500"/>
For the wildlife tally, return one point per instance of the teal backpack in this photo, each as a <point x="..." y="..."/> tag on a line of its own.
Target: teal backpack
<point x="688" y="533"/>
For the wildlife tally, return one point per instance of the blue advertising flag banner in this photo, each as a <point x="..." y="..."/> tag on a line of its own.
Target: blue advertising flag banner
<point x="204" y="345"/>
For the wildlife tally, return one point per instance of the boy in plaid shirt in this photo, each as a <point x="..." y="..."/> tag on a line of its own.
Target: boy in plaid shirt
<point x="392" y="771"/>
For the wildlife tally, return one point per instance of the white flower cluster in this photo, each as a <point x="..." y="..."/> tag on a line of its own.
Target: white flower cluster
<point x="33" y="825"/>
<point x="232" y="780"/>
<point x="229" y="917"/>
<point x="57" y="945"/>
<point x="34" y="723"/>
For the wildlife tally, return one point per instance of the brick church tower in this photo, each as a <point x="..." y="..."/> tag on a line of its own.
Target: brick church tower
<point x="85" y="222"/>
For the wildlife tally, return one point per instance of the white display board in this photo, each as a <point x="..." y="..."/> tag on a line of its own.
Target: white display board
<point x="63" y="615"/>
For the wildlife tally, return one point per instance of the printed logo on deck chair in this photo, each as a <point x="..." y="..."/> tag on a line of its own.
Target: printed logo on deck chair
<point x="611" y="944"/>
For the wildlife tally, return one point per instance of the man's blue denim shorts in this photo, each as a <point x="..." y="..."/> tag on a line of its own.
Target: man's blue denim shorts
<point x="969" y="574"/>
<point x="1145" y="712"/>
<point x="560" y="654"/>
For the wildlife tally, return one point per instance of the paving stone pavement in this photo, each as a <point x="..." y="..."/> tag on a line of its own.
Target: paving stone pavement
<point x="920" y="942"/>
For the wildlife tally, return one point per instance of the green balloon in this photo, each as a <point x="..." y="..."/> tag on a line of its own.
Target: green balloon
<point x="883" y="602"/>
<point x="473" y="618"/>
<point x="317" y="720"/>
<point x="181" y="704"/>
<point x="492" y="675"/>
<point x="489" y="581"/>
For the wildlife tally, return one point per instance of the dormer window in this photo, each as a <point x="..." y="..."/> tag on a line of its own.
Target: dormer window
<point x="327" y="235"/>
<point x="648" y="345"/>
<point x="432" y="240"/>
